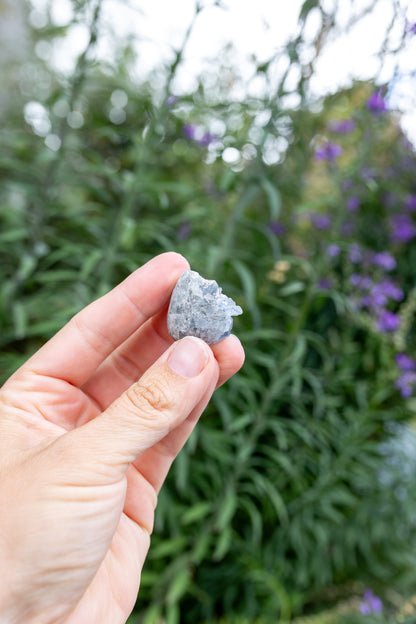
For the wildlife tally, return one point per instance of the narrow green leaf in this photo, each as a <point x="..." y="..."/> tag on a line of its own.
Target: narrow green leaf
<point x="11" y="236"/>
<point x="196" y="513"/>
<point x="178" y="587"/>
<point x="223" y="544"/>
<point x="299" y="350"/>
<point x="168" y="547"/>
<point x="306" y="8"/>
<point x="227" y="509"/>
<point x="265" y="486"/>
<point x="292" y="288"/>
<point x="238" y="424"/>
<point x="273" y="196"/>
<point x="153" y="615"/>
<point x="90" y="263"/>
<point x="173" y="615"/>
<point x="19" y="319"/>
<point x="249" y="286"/>
<point x="27" y="267"/>
<point x="201" y="547"/>
<point x="256" y="519"/>
<point x="57" y="276"/>
<point x="181" y="471"/>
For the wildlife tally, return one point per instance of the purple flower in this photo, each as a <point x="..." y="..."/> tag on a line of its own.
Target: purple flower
<point x="376" y="103"/>
<point x="370" y="298"/>
<point x="410" y="202"/>
<point x="198" y="135"/>
<point x="277" y="228"/>
<point x="387" y="321"/>
<point x="366" y="282"/>
<point x="378" y="297"/>
<point x="384" y="260"/>
<point x="330" y="152"/>
<point x="324" y="284"/>
<point x="405" y="383"/>
<point x="405" y="362"/>
<point x="321" y="222"/>
<point x="368" y="173"/>
<point x="371" y="603"/>
<point x="402" y="229"/>
<point x="171" y="100"/>
<point x="366" y="301"/>
<point x="189" y="130"/>
<point x="391" y="290"/>
<point x="206" y="139"/>
<point x="184" y="231"/>
<point x="383" y="291"/>
<point x="333" y="250"/>
<point x="342" y="126"/>
<point x="353" y="203"/>
<point x="355" y="279"/>
<point x="361" y="281"/>
<point x="355" y="253"/>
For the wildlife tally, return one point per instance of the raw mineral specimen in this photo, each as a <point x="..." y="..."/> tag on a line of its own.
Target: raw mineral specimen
<point x="198" y="308"/>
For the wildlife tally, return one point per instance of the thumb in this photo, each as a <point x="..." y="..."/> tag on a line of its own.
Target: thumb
<point x="164" y="396"/>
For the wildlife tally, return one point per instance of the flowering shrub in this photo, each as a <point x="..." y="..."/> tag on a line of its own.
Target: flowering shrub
<point x="369" y="216"/>
<point x="295" y="495"/>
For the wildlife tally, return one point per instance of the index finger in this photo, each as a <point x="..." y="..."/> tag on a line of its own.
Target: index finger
<point x="77" y="350"/>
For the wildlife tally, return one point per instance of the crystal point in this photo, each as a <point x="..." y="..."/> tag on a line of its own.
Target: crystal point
<point x="198" y="308"/>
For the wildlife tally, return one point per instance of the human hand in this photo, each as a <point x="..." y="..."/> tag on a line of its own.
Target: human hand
<point x="89" y="427"/>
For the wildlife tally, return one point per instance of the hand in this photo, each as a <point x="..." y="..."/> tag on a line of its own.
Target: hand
<point x="89" y="427"/>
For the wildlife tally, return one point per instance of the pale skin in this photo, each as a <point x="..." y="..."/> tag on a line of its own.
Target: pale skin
<point x="89" y="427"/>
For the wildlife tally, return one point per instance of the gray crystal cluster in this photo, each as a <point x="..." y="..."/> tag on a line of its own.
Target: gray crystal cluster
<point x="198" y="308"/>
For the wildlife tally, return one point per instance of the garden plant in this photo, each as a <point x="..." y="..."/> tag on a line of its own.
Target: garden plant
<point x="295" y="498"/>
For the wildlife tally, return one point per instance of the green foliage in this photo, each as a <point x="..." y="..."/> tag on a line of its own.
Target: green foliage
<point x="295" y="492"/>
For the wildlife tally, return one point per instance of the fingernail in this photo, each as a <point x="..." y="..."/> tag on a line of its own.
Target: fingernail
<point x="189" y="357"/>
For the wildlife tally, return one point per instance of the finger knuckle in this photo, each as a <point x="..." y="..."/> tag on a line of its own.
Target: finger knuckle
<point x="150" y="398"/>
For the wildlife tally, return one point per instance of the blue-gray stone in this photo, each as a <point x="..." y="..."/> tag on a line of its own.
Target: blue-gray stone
<point x="198" y="308"/>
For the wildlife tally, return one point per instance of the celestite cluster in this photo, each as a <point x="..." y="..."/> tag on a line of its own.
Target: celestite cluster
<point x="198" y="308"/>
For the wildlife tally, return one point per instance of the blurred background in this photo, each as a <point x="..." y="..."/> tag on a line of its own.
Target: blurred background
<point x="273" y="144"/>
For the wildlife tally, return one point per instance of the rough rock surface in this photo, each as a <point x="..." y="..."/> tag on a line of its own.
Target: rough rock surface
<point x="198" y="308"/>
